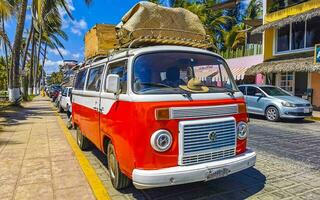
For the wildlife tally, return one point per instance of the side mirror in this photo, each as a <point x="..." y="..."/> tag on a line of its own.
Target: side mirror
<point x="113" y="83"/>
<point x="259" y="94"/>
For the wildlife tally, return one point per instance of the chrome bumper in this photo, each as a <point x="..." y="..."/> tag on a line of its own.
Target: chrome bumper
<point x="143" y="179"/>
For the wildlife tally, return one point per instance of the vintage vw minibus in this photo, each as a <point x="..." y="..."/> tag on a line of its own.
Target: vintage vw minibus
<point x="163" y="115"/>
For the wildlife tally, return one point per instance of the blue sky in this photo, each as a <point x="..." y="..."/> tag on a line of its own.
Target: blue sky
<point x="101" y="11"/>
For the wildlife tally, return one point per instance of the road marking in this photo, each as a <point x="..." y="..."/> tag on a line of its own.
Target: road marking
<point x="95" y="183"/>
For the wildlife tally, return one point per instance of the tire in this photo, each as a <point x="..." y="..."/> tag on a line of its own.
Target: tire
<point x="60" y="109"/>
<point x="272" y="114"/>
<point x="69" y="123"/>
<point x="82" y="141"/>
<point x="118" y="179"/>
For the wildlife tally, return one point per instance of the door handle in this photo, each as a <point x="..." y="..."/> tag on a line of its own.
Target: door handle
<point x="95" y="108"/>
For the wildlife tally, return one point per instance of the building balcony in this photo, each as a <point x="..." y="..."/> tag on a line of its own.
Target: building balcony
<point x="277" y="11"/>
<point x="276" y="5"/>
<point x="250" y="50"/>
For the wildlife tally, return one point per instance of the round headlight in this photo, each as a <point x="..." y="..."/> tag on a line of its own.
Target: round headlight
<point x="242" y="130"/>
<point x="161" y="140"/>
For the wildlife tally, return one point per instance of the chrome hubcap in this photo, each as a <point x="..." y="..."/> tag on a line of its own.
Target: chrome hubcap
<point x="112" y="164"/>
<point x="79" y="138"/>
<point x="271" y="114"/>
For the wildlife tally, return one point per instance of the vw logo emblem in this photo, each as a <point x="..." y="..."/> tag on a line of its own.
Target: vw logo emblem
<point x="212" y="136"/>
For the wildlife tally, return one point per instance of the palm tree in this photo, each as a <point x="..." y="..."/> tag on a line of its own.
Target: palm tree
<point x="5" y="12"/>
<point x="213" y="20"/>
<point x="14" y="82"/>
<point x="48" y="27"/>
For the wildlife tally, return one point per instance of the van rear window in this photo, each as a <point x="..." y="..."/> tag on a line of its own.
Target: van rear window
<point x="81" y="79"/>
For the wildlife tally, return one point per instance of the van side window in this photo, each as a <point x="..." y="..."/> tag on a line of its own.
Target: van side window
<point x="94" y="79"/>
<point x="119" y="68"/>
<point x="81" y="79"/>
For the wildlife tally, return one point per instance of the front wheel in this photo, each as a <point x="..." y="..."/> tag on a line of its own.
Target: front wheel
<point x="82" y="141"/>
<point x="272" y="114"/>
<point x="118" y="179"/>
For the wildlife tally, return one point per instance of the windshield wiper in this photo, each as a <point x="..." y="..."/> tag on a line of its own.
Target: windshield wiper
<point x="184" y="93"/>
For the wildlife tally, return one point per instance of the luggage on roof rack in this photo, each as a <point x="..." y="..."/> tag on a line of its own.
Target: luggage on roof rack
<point x="148" y="23"/>
<point x="99" y="40"/>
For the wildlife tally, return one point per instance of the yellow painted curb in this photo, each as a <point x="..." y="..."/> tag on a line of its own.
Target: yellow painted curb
<point x="313" y="118"/>
<point x="95" y="183"/>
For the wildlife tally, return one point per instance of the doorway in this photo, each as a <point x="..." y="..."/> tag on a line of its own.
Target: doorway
<point x="301" y="83"/>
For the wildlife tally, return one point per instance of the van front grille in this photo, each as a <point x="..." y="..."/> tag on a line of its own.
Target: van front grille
<point x="207" y="140"/>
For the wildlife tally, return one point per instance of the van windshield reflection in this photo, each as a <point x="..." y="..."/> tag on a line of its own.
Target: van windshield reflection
<point x="181" y="72"/>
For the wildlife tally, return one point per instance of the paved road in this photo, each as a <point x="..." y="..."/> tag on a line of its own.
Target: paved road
<point x="287" y="167"/>
<point x="296" y="140"/>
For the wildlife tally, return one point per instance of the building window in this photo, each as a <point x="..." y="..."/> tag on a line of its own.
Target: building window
<point x="298" y="36"/>
<point x="298" y="31"/>
<point x="283" y="38"/>
<point x="313" y="32"/>
<point x="287" y="81"/>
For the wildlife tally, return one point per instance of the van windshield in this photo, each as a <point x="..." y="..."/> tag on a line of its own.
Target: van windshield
<point x="181" y="72"/>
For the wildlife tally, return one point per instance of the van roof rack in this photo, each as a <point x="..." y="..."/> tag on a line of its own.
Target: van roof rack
<point x="139" y="38"/>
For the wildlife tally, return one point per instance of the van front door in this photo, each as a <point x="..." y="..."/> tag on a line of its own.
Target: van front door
<point x="108" y="122"/>
<point x="92" y="95"/>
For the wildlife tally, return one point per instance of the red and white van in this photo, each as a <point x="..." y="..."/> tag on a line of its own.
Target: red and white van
<point x="163" y="115"/>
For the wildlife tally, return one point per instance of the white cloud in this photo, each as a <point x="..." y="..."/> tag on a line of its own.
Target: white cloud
<point x="63" y="52"/>
<point x="51" y="63"/>
<point x="76" y="56"/>
<point x="77" y="27"/>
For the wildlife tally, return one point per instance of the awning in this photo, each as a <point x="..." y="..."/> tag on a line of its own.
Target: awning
<point x="282" y="22"/>
<point x="289" y="65"/>
<point x="239" y="66"/>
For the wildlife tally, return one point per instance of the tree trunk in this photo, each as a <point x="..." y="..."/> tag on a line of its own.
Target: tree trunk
<point x="25" y="51"/>
<point x="6" y="53"/>
<point x="30" y="84"/>
<point x="23" y="65"/>
<point x="36" y="68"/>
<point x="14" y="88"/>
<point x="43" y="62"/>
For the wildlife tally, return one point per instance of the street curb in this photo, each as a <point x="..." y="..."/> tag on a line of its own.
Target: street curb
<point x="313" y="118"/>
<point x="94" y="181"/>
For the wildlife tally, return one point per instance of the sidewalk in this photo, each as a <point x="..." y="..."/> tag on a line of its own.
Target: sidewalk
<point x="36" y="161"/>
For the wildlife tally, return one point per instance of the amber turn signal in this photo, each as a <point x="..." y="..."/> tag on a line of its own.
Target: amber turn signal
<point x="162" y="114"/>
<point x="242" y="108"/>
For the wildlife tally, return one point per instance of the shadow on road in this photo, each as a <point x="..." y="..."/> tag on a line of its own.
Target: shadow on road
<point x="14" y="115"/>
<point x="240" y="185"/>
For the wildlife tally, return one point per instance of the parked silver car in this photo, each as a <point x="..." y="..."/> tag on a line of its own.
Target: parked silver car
<point x="274" y="102"/>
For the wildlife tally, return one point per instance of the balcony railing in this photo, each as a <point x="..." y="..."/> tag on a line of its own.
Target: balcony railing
<point x="276" y="5"/>
<point x="250" y="50"/>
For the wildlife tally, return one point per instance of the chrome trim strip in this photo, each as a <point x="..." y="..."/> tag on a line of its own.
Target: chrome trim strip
<point x="202" y="111"/>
